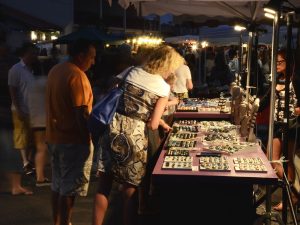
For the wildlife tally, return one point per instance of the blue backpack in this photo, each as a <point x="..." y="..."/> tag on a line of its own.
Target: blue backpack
<point x="104" y="110"/>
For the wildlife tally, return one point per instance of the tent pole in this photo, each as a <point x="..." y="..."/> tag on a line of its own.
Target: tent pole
<point x="240" y="58"/>
<point x="204" y="68"/>
<point x="124" y="20"/>
<point x="255" y="64"/>
<point x="249" y="56"/>
<point x="200" y="66"/>
<point x="272" y="104"/>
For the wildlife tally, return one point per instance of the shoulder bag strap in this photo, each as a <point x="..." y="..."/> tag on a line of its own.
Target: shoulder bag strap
<point x="118" y="82"/>
<point x="121" y="83"/>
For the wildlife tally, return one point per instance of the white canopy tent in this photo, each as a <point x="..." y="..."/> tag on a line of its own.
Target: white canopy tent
<point x="224" y="11"/>
<point x="182" y="39"/>
<point x="225" y="35"/>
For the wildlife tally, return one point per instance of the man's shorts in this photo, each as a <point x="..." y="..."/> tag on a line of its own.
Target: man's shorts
<point x="71" y="168"/>
<point x="22" y="132"/>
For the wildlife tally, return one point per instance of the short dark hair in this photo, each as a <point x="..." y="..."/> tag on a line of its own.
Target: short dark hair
<point x="232" y="53"/>
<point x="26" y="47"/>
<point x="79" y="46"/>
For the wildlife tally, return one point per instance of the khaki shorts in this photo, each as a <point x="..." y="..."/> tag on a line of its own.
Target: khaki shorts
<point x="22" y="132"/>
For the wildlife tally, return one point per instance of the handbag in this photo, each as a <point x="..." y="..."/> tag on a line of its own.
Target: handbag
<point x="104" y="110"/>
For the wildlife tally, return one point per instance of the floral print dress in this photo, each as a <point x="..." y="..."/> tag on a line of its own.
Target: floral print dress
<point x="125" y="145"/>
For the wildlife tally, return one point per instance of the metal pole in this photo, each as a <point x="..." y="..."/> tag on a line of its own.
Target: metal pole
<point x="200" y="66"/>
<point x="249" y="56"/>
<point x="285" y="140"/>
<point x="241" y="62"/>
<point x="254" y="63"/>
<point x="204" y="69"/>
<point x="272" y="105"/>
<point x="240" y="54"/>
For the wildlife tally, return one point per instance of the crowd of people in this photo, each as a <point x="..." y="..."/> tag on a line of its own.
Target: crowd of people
<point x="46" y="111"/>
<point x="45" y="106"/>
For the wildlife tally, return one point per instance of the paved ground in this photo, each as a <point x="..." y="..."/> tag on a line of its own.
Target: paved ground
<point x="35" y="210"/>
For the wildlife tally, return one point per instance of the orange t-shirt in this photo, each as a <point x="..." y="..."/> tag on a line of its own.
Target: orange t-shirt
<point x="67" y="87"/>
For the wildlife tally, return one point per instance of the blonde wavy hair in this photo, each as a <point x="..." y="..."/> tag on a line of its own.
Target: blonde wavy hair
<point x="171" y="79"/>
<point x="163" y="60"/>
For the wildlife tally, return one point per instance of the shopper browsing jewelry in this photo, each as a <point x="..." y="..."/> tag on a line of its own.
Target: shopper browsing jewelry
<point x="123" y="156"/>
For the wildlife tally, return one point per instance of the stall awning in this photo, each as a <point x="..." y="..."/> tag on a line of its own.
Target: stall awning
<point x="88" y="33"/>
<point x="223" y="11"/>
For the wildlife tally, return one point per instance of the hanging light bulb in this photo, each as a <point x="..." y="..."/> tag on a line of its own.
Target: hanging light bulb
<point x="239" y="28"/>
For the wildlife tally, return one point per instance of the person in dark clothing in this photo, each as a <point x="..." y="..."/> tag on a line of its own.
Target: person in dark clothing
<point x="220" y="73"/>
<point x="294" y="111"/>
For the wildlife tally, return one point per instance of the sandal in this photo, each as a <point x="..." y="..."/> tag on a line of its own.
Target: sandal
<point x="294" y="196"/>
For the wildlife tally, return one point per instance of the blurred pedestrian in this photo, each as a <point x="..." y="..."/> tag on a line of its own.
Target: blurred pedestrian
<point x="220" y="73"/>
<point x="10" y="159"/>
<point x="233" y="63"/>
<point x="69" y="101"/>
<point x="37" y="115"/>
<point x="19" y="78"/>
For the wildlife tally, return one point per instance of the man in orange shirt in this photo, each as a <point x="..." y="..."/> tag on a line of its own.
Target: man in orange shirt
<point x="69" y="101"/>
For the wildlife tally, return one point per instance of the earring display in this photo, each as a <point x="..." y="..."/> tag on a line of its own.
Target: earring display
<point x="229" y="149"/>
<point x="220" y="136"/>
<point x="187" y="109"/>
<point x="201" y="102"/>
<point x="186" y="122"/>
<point x="178" y="162"/>
<point x="180" y="136"/>
<point x="177" y="165"/>
<point x="178" y="152"/>
<point x="213" y="163"/>
<point x="203" y="105"/>
<point x="208" y="109"/>
<point x="185" y="128"/>
<point x="182" y="144"/>
<point x="249" y="164"/>
<point x="178" y="159"/>
<point x="207" y="124"/>
<point x="225" y="129"/>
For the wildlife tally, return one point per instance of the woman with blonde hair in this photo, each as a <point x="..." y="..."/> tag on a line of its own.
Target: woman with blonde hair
<point x="123" y="158"/>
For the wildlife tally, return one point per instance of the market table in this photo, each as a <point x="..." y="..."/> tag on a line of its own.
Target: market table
<point x="218" y="197"/>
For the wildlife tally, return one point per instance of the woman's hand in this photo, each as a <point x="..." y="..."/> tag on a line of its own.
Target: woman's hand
<point x="165" y="126"/>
